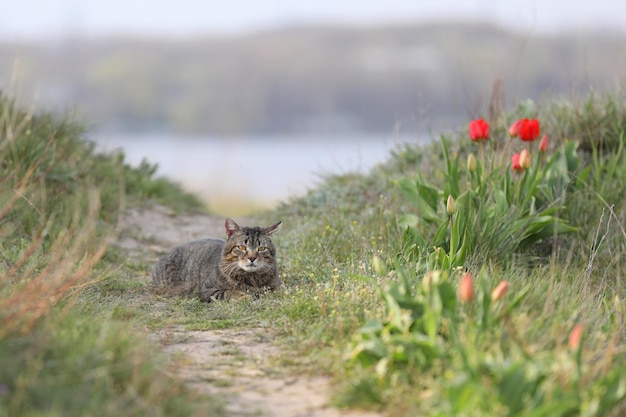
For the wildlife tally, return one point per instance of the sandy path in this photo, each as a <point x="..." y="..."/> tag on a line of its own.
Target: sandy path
<point x="234" y="364"/>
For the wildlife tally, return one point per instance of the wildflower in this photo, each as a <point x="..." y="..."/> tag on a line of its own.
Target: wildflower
<point x="499" y="292"/>
<point x="528" y="129"/>
<point x="543" y="144"/>
<point x="574" y="337"/>
<point x="524" y="159"/>
<point x="450" y="206"/>
<point x="471" y="163"/>
<point x="479" y="130"/>
<point x="514" y="129"/>
<point x="466" y="291"/>
<point x="515" y="165"/>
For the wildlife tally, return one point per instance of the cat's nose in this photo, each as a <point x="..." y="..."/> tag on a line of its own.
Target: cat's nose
<point x="252" y="258"/>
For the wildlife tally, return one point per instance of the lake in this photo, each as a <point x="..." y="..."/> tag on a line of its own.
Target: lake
<point x="241" y="174"/>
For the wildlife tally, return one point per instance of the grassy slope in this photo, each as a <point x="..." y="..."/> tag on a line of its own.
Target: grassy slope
<point x="333" y="233"/>
<point x="59" y="204"/>
<point x="326" y="247"/>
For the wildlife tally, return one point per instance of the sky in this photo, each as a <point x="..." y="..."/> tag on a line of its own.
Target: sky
<point x="24" y="20"/>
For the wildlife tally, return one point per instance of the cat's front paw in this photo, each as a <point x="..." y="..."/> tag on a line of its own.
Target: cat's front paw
<point x="238" y="295"/>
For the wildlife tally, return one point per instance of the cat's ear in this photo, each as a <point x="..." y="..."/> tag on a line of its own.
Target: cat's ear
<point x="271" y="229"/>
<point x="231" y="227"/>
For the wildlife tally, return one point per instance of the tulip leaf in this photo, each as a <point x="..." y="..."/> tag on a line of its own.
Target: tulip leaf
<point x="424" y="197"/>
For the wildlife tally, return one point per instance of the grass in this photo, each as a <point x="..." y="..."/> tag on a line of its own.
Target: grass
<point x="346" y="265"/>
<point x="59" y="205"/>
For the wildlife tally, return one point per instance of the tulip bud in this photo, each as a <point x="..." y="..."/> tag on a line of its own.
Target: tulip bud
<point x="379" y="266"/>
<point x="427" y="281"/>
<point x="543" y="144"/>
<point x="524" y="159"/>
<point x="499" y="292"/>
<point x="514" y="129"/>
<point x="515" y="165"/>
<point x="574" y="337"/>
<point x="466" y="291"/>
<point x="450" y="206"/>
<point x="471" y="163"/>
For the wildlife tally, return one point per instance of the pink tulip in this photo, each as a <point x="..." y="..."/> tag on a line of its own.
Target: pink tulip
<point x="466" y="291"/>
<point x="574" y="337"/>
<point x="515" y="165"/>
<point x="543" y="144"/>
<point x="499" y="292"/>
<point x="514" y="129"/>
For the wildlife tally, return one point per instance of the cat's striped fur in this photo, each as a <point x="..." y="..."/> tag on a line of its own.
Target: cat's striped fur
<point x="243" y="264"/>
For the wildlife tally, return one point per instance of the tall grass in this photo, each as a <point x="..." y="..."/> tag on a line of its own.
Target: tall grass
<point x="59" y="204"/>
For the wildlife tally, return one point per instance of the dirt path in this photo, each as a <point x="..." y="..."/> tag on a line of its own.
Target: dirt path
<point x="233" y="364"/>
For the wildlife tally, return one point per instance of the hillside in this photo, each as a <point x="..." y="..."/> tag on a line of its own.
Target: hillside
<point x="309" y="79"/>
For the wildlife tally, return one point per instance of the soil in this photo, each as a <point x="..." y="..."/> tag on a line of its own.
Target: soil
<point x="234" y="365"/>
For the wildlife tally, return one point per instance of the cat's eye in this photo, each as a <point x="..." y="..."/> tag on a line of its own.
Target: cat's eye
<point x="242" y="247"/>
<point x="261" y="249"/>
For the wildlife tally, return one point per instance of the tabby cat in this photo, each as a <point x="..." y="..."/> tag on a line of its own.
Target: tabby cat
<point x="243" y="265"/>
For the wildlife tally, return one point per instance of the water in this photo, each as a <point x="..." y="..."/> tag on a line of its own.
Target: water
<point x="244" y="173"/>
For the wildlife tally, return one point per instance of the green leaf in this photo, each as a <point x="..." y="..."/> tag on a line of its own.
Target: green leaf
<point x="408" y="220"/>
<point x="424" y="197"/>
<point x="452" y="171"/>
<point x="447" y="293"/>
<point x="409" y="188"/>
<point x="502" y="204"/>
<point x="429" y="194"/>
<point x="518" y="383"/>
<point x="571" y="156"/>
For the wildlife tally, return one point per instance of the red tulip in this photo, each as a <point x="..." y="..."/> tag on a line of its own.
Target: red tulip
<point x="528" y="129"/>
<point x="543" y="144"/>
<point x="515" y="165"/>
<point x="479" y="130"/>
<point x="466" y="291"/>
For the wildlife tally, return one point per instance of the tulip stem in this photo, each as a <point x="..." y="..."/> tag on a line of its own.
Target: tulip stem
<point x="452" y="240"/>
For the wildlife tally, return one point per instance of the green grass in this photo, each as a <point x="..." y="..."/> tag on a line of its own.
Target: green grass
<point x="344" y="258"/>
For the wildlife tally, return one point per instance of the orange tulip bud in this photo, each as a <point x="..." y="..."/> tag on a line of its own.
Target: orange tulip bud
<point x="499" y="292"/>
<point x="574" y="337"/>
<point x="466" y="291"/>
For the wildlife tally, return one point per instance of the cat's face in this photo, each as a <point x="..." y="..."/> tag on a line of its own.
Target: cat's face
<point x="250" y="248"/>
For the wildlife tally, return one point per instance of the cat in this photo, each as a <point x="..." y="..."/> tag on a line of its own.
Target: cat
<point x="243" y="265"/>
